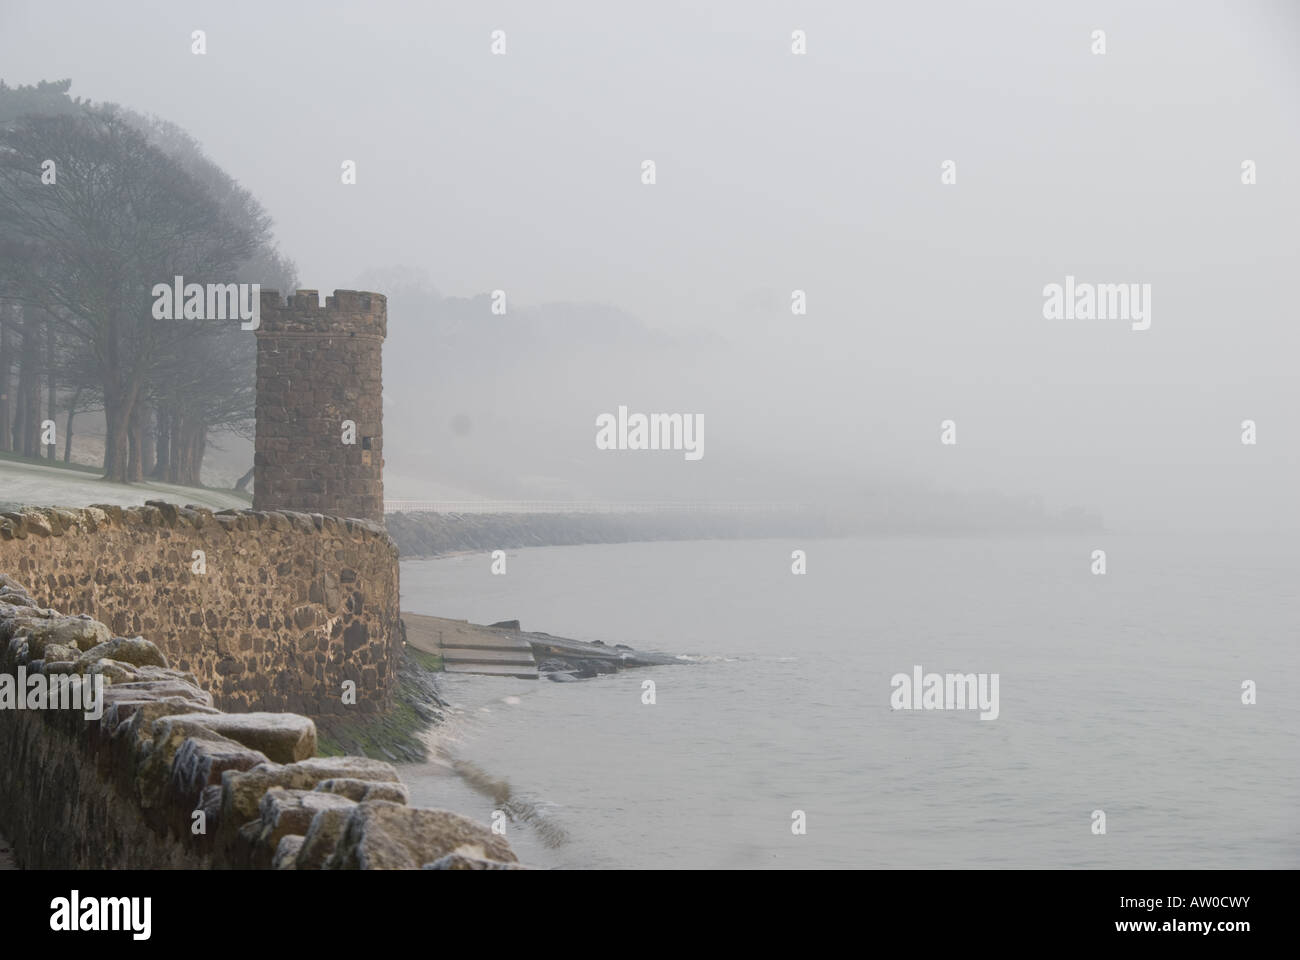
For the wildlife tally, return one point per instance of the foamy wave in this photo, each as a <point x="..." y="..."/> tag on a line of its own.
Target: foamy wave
<point x="519" y="808"/>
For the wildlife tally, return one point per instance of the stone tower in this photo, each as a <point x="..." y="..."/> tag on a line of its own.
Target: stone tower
<point x="318" y="368"/>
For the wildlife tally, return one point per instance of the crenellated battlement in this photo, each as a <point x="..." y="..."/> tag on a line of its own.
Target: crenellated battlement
<point x="348" y="312"/>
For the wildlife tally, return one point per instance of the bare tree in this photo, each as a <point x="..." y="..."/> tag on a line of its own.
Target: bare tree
<point x="151" y="396"/>
<point x="123" y="217"/>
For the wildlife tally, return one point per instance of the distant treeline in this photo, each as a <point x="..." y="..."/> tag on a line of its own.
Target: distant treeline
<point x="431" y="534"/>
<point x="434" y="534"/>
<point x="97" y="205"/>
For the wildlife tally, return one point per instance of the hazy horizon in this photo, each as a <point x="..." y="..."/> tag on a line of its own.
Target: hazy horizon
<point x="775" y="173"/>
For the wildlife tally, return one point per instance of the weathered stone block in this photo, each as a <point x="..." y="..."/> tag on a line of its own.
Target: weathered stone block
<point x="359" y="790"/>
<point x="80" y="633"/>
<point x="242" y="792"/>
<point x="286" y="854"/>
<point x="285" y="812"/>
<point x="133" y="650"/>
<point x="198" y="764"/>
<point x="380" y="835"/>
<point x="283" y="737"/>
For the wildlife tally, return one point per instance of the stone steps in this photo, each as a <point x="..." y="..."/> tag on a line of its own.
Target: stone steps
<point x="469" y="648"/>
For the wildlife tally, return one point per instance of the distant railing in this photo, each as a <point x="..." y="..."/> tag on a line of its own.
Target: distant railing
<point x="588" y="506"/>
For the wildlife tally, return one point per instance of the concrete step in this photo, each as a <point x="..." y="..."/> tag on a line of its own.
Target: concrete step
<point x="487" y="655"/>
<point x="464" y="643"/>
<point x="492" y="669"/>
<point x="432" y="633"/>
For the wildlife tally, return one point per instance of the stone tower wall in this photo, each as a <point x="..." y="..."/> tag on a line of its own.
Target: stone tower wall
<point x="318" y="366"/>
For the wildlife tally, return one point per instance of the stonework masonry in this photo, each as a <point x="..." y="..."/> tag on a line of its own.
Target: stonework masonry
<point x="318" y="366"/>
<point x="288" y="607"/>
<point x="159" y="778"/>
<point x="280" y="608"/>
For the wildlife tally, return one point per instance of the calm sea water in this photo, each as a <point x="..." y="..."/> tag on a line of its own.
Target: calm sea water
<point x="1119" y="693"/>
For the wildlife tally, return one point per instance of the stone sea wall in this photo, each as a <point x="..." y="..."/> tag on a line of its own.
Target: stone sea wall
<point x="423" y="534"/>
<point x="268" y="610"/>
<point x="161" y="778"/>
<point x="431" y="534"/>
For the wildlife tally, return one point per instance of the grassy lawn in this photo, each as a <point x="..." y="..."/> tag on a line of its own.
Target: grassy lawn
<point x="49" y="483"/>
<point x="42" y="462"/>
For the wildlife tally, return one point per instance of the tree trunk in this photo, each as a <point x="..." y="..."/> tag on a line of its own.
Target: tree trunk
<point x="163" y="433"/>
<point x="27" y="422"/>
<point x="146" y="442"/>
<point x="174" y="464"/>
<point x="6" y="361"/>
<point x="51" y="392"/>
<point x="67" y="430"/>
<point x="115" y="444"/>
<point x="118" y="403"/>
<point x="189" y="460"/>
<point x="20" y="415"/>
<point x="20" y="391"/>
<point x="133" y="465"/>
<point x="200" y="445"/>
<point x="33" y="401"/>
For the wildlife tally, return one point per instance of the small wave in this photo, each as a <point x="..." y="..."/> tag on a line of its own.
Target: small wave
<point x="520" y="809"/>
<point x="701" y="658"/>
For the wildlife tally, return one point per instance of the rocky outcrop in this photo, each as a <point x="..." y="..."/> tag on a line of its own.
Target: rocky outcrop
<point x="153" y="775"/>
<point x="269" y="610"/>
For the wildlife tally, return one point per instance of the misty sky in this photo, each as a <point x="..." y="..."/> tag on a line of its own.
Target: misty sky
<point x="819" y="172"/>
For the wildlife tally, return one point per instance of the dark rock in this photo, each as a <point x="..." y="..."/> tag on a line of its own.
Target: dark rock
<point x="380" y="835"/>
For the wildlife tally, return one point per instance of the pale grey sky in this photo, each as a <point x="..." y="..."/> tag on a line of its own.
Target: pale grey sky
<point x="819" y="172"/>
